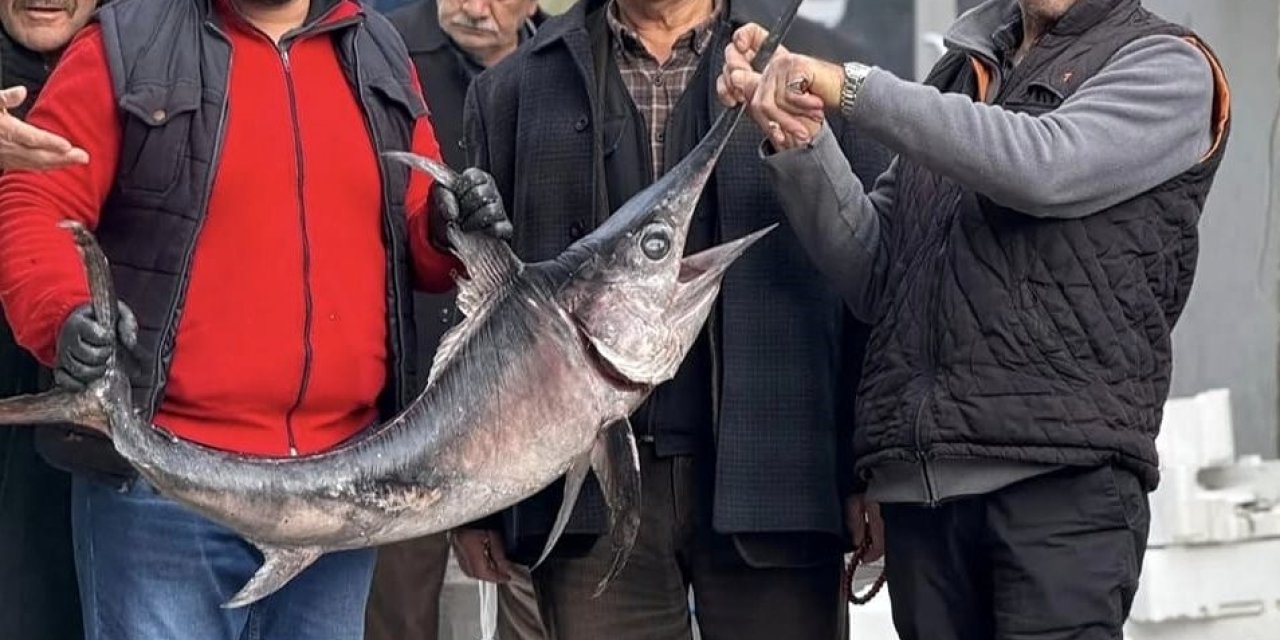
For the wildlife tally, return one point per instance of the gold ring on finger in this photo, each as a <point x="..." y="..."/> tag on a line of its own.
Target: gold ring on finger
<point x="799" y="85"/>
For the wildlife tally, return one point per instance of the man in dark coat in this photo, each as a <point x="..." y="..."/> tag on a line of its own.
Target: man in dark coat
<point x="743" y="454"/>
<point x="450" y="42"/>
<point x="38" y="599"/>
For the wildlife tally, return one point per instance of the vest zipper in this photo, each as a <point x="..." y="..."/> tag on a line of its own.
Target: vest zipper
<point x="934" y="355"/>
<point x="308" y="302"/>
<point x="926" y="477"/>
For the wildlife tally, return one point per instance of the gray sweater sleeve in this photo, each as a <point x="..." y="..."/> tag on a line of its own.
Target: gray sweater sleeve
<point x="835" y="219"/>
<point x="1142" y="120"/>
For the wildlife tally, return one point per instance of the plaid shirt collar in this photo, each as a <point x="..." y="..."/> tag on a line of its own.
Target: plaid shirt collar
<point x="697" y="40"/>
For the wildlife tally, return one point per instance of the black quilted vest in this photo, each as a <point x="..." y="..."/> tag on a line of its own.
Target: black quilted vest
<point x="1005" y="336"/>
<point x="170" y="68"/>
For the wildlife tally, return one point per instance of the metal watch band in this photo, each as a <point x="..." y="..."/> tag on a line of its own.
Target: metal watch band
<point x="855" y="75"/>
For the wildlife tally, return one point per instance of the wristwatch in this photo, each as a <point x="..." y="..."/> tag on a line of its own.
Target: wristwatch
<point x="855" y="75"/>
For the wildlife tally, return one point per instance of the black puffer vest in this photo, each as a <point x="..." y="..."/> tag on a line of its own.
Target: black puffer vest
<point x="1005" y="336"/>
<point x="170" y="67"/>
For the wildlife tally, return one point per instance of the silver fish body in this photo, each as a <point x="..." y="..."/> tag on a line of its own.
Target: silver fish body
<point x="503" y="422"/>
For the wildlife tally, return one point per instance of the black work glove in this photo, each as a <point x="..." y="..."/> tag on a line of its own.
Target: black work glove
<point x="85" y="345"/>
<point x="474" y="205"/>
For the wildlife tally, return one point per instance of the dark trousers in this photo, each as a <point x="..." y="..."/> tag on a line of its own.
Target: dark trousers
<point x="38" y="597"/>
<point x="404" y="603"/>
<point x="676" y="549"/>
<point x="1054" y="557"/>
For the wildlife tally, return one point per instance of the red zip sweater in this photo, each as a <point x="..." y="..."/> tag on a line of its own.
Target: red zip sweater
<point x="282" y="340"/>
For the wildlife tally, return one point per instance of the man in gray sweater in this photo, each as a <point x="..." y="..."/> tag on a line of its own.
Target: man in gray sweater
<point x="1023" y="263"/>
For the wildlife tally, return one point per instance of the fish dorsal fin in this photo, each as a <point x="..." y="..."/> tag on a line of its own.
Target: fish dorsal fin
<point x="490" y="264"/>
<point x="491" y="267"/>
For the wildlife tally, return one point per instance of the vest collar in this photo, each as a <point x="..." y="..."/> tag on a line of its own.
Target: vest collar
<point x="1087" y="14"/>
<point x="975" y="31"/>
<point x="318" y="13"/>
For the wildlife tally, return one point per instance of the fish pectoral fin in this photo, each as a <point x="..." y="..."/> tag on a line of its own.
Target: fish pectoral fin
<point x="279" y="566"/>
<point x="616" y="463"/>
<point x="572" y="487"/>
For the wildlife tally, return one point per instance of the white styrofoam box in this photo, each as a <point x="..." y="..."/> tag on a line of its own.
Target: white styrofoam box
<point x="1215" y="582"/>
<point x="1197" y="431"/>
<point x="1175" y="514"/>
<point x="1260" y="628"/>
<point x="874" y="620"/>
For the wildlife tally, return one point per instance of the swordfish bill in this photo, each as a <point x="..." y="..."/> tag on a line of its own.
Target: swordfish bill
<point x="535" y="384"/>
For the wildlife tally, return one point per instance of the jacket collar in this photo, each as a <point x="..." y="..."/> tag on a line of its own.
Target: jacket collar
<point x="423" y="33"/>
<point x="555" y="30"/>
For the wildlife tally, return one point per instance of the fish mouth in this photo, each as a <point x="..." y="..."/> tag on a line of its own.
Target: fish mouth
<point x="701" y="274"/>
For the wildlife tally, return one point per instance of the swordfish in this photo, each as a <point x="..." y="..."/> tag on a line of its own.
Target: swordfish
<point x="534" y="385"/>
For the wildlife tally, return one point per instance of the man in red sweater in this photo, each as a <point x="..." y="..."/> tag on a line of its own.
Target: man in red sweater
<point x="265" y="254"/>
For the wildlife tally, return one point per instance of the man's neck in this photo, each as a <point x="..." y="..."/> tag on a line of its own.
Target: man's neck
<point x="660" y="23"/>
<point x="1037" y="21"/>
<point x="275" y="20"/>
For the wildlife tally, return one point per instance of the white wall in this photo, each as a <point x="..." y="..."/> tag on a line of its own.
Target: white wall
<point x="1229" y="333"/>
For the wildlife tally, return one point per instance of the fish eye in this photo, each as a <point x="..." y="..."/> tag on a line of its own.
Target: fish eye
<point x="656" y="242"/>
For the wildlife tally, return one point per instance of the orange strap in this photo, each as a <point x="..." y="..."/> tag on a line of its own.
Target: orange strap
<point x="984" y="78"/>
<point x="1221" y="98"/>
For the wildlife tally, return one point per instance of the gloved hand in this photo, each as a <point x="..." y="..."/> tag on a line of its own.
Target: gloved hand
<point x="475" y="206"/>
<point x="85" y="345"/>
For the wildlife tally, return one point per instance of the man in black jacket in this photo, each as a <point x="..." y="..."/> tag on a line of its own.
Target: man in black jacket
<point x="451" y="42"/>
<point x="743" y="453"/>
<point x="38" y="597"/>
<point x="1023" y="263"/>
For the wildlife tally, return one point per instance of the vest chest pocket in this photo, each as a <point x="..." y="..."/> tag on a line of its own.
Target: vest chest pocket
<point x="1037" y="98"/>
<point x="156" y="131"/>
<point x="397" y="99"/>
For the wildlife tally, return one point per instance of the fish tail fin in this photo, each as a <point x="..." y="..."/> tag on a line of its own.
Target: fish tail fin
<point x="440" y="172"/>
<point x="616" y="463"/>
<point x="279" y="566"/>
<point x="91" y="406"/>
<point x="102" y="291"/>
<point x="55" y="407"/>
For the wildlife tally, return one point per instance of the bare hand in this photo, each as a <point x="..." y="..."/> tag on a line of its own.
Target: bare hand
<point x="862" y="516"/>
<point x="789" y="99"/>
<point x="23" y="146"/>
<point x="480" y="554"/>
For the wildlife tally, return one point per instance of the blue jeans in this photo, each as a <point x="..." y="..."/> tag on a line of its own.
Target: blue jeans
<point x="151" y="569"/>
